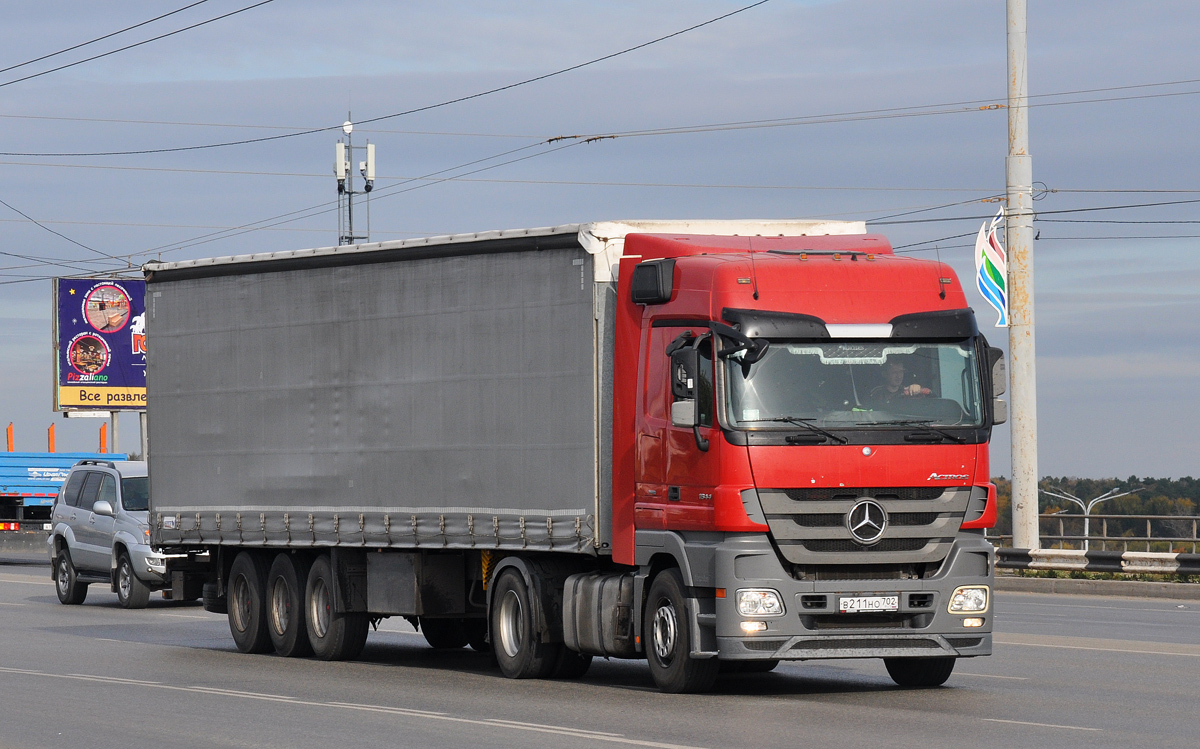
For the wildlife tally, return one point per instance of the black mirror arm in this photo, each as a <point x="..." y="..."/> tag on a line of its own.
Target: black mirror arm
<point x="701" y="442"/>
<point x="754" y="348"/>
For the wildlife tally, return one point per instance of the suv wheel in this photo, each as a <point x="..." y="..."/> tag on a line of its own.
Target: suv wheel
<point x="70" y="591"/>
<point x="132" y="593"/>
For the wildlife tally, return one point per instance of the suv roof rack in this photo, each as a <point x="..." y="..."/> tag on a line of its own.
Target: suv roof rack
<point x="91" y="462"/>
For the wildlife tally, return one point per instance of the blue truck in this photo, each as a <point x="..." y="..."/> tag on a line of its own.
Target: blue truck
<point x="29" y="484"/>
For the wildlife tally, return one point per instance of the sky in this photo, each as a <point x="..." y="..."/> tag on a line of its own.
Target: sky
<point x="1117" y="304"/>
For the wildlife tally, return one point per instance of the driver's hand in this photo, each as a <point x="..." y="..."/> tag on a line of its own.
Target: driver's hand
<point x="915" y="389"/>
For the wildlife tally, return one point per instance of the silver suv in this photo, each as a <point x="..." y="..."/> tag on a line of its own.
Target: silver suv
<point x="101" y="533"/>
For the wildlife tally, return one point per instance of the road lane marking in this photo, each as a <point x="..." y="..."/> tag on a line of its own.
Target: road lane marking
<point x="11" y="604"/>
<point x="1111" y="608"/>
<point x="993" y="676"/>
<point x="8" y="579"/>
<point x="578" y="733"/>
<point x="1134" y="647"/>
<point x="187" y="616"/>
<point x="1041" y="725"/>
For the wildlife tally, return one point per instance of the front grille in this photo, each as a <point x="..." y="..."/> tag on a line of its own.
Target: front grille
<point x="888" y="544"/>
<point x="768" y="645"/>
<point x="809" y="524"/>
<point x="898" y="493"/>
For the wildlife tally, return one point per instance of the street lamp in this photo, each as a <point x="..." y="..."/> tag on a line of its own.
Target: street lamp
<point x="1087" y="507"/>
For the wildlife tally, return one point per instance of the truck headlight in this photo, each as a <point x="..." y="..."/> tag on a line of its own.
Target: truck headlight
<point x="759" y="603"/>
<point x="969" y="599"/>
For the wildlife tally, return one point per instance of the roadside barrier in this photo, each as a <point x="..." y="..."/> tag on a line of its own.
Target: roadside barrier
<point x="1132" y="562"/>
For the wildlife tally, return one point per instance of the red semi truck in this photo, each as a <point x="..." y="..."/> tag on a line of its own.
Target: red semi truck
<point x="713" y="445"/>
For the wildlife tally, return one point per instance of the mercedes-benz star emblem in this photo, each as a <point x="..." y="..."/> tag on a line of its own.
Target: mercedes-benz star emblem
<point x="866" y="521"/>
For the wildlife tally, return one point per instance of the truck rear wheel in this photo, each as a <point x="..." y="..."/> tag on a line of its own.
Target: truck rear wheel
<point x="920" y="672"/>
<point x="247" y="619"/>
<point x="519" y="650"/>
<point x="70" y="591"/>
<point x="669" y="642"/>
<point x="334" y="636"/>
<point x="285" y="606"/>
<point x="132" y="593"/>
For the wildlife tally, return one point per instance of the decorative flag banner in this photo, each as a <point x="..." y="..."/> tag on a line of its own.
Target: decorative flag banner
<point x="991" y="268"/>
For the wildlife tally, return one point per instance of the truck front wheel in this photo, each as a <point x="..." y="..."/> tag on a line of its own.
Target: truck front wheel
<point x="919" y="672"/>
<point x="668" y="639"/>
<point x="519" y="650"/>
<point x="247" y="619"/>
<point x="334" y="636"/>
<point x="285" y="606"/>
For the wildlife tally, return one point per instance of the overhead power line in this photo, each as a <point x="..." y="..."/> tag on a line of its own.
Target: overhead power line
<point x="406" y="112"/>
<point x="136" y="44"/>
<point x="101" y="38"/>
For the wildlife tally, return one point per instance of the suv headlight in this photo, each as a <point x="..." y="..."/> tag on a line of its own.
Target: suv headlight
<point x="759" y="603"/>
<point x="969" y="599"/>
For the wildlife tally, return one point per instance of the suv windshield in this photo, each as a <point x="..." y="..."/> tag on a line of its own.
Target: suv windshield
<point x="858" y="384"/>
<point x="135" y="493"/>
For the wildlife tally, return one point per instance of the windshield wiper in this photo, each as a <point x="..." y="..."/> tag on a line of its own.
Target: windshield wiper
<point x="926" y="423"/>
<point x="801" y="422"/>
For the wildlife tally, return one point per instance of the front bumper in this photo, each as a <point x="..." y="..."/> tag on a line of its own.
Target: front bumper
<point x="812" y="627"/>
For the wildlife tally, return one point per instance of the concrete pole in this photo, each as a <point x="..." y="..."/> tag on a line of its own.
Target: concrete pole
<point x="115" y="447"/>
<point x="1019" y="227"/>
<point x="145" y="435"/>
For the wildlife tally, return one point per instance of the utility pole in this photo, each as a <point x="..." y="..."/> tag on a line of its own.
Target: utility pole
<point x="344" y="156"/>
<point x="1018" y="223"/>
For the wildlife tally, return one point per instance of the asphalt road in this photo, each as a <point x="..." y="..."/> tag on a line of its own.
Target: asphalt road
<point x="1067" y="671"/>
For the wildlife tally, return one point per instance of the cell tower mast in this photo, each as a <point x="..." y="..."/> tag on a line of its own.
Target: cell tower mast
<point x="343" y="158"/>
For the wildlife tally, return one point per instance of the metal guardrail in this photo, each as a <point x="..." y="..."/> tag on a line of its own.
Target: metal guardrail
<point x="1166" y="540"/>
<point x="1166" y="534"/>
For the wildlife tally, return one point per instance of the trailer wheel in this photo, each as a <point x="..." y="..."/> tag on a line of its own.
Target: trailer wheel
<point x="132" y="593"/>
<point x="70" y="591"/>
<point x="920" y="672"/>
<point x="668" y="639"/>
<point x="285" y="606"/>
<point x="519" y="650"/>
<point x="334" y="636"/>
<point x="247" y="619"/>
<point x="444" y="634"/>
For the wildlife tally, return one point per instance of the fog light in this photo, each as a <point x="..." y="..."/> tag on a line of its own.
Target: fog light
<point x="975" y="622"/>
<point x="969" y="599"/>
<point x="752" y="627"/>
<point x="759" y="603"/>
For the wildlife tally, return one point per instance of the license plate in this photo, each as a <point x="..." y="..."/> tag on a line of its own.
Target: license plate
<point x="859" y="604"/>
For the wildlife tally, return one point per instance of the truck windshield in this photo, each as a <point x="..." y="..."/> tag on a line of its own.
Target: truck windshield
<point x="135" y="494"/>
<point x="858" y="384"/>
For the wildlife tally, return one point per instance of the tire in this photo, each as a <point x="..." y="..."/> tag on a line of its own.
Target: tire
<point x="570" y="664"/>
<point x="520" y="653"/>
<point x="132" y="593"/>
<point x="285" y="608"/>
<point x="920" y="672"/>
<point x="668" y="639"/>
<point x="334" y="636"/>
<point x="747" y="667"/>
<point x="444" y="634"/>
<point x="477" y="631"/>
<point x="247" y="603"/>
<point x="70" y="591"/>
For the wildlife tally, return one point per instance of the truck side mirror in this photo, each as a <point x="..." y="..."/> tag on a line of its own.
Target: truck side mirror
<point x="999" y="411"/>
<point x="683" y="413"/>
<point x="685" y="368"/>
<point x="999" y="374"/>
<point x="103" y="507"/>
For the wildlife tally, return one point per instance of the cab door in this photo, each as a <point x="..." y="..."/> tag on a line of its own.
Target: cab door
<point x="691" y="445"/>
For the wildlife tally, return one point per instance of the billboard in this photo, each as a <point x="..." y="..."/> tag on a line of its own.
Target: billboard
<point x="100" y="344"/>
